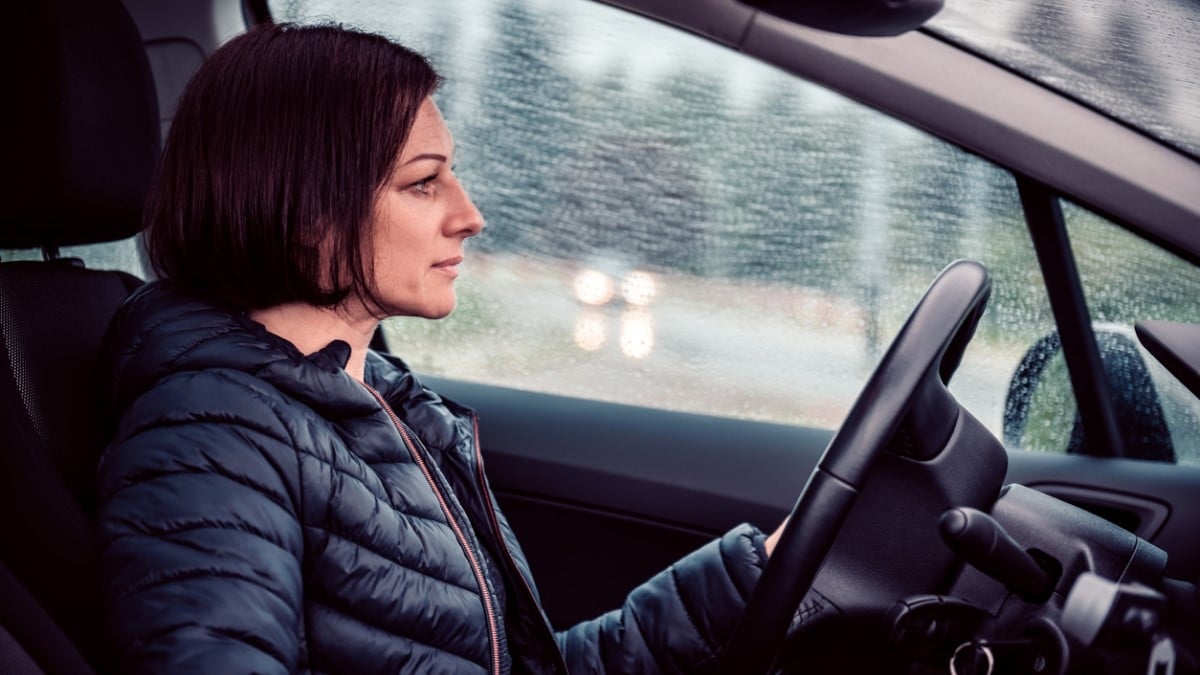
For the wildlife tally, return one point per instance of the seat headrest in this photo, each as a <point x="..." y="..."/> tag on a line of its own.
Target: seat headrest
<point x="84" y="132"/>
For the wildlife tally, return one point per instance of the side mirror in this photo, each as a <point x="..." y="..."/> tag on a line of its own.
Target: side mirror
<point x="1040" y="411"/>
<point x="853" y="17"/>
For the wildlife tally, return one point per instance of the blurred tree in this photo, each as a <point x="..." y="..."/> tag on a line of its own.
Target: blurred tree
<point x="440" y="44"/>
<point x="793" y="203"/>
<point x="631" y="190"/>
<point x="634" y="198"/>
<point x="518" y="133"/>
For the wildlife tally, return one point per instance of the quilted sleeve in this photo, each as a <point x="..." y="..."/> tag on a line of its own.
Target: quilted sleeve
<point x="678" y="621"/>
<point x="200" y="541"/>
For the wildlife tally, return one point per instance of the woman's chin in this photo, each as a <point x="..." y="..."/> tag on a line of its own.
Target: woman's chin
<point x="439" y="311"/>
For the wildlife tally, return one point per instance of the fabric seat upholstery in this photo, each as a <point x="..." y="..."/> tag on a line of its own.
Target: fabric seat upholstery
<point x="84" y="140"/>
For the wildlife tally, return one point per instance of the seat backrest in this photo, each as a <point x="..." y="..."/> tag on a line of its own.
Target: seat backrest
<point x="30" y="641"/>
<point x="85" y="140"/>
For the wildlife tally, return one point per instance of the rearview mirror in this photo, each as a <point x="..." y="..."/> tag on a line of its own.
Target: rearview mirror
<point x="853" y="17"/>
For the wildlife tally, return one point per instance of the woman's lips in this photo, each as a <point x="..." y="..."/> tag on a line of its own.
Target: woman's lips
<point x="449" y="266"/>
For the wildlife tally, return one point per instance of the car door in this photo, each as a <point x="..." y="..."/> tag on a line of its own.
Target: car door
<point x="694" y="259"/>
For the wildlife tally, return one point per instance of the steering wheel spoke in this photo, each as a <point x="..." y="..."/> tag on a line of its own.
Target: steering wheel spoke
<point x="905" y="453"/>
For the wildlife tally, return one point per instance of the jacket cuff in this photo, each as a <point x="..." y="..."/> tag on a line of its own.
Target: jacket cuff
<point x="744" y="552"/>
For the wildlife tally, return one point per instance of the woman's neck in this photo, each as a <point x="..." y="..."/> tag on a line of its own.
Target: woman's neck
<point x="312" y="328"/>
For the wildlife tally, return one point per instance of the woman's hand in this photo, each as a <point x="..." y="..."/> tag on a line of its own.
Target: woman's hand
<point x="774" y="537"/>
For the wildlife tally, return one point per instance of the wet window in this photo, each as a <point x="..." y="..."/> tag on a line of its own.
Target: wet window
<point x="1125" y="280"/>
<point x="673" y="224"/>
<point x="1133" y="59"/>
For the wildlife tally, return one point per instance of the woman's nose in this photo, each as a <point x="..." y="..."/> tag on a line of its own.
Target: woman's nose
<point x="464" y="218"/>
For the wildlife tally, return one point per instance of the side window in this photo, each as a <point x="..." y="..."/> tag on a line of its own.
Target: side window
<point x="121" y="255"/>
<point x="673" y="224"/>
<point x="1125" y="279"/>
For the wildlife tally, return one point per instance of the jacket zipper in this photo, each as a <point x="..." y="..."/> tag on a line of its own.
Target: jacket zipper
<point x="476" y="568"/>
<point x="499" y="534"/>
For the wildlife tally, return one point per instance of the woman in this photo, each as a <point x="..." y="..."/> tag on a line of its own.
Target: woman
<point x="278" y="498"/>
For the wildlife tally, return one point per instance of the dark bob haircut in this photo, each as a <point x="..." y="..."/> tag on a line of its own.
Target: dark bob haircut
<point x="269" y="175"/>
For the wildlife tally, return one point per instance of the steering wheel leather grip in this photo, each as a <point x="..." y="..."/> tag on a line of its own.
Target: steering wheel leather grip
<point x="906" y="394"/>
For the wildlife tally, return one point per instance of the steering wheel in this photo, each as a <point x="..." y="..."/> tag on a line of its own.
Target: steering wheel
<point x="922" y="357"/>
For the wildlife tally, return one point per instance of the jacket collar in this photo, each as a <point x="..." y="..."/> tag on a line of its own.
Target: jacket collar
<point x="161" y="331"/>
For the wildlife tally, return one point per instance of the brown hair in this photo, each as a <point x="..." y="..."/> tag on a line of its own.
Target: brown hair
<point x="269" y="175"/>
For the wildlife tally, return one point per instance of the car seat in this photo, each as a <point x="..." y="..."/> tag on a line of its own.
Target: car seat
<point x="83" y="128"/>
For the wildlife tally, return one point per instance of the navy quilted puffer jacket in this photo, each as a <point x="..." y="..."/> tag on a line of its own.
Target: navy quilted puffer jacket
<point x="262" y="511"/>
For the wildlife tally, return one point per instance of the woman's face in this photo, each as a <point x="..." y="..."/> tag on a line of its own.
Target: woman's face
<point x="422" y="217"/>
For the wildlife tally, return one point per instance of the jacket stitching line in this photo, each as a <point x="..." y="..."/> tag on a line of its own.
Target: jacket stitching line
<point x="655" y="654"/>
<point x="303" y="627"/>
<point x="399" y="563"/>
<point x="212" y="418"/>
<point x="144" y="477"/>
<point x="414" y="516"/>
<point x="238" y="636"/>
<point x="184" y="575"/>
<point x="476" y="565"/>
<point x="202" y="418"/>
<point x="744" y="595"/>
<point x="687" y="611"/>
<point x="239" y="421"/>
<point x="221" y="526"/>
<point x="186" y="348"/>
<point x="385" y="499"/>
<point x="382" y="629"/>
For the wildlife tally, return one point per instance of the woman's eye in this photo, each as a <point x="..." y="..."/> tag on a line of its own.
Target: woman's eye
<point x="424" y="186"/>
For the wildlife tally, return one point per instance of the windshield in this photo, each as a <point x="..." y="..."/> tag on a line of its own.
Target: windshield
<point x="1136" y="60"/>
